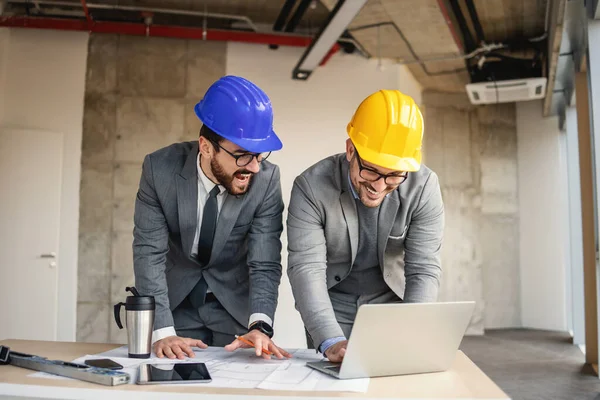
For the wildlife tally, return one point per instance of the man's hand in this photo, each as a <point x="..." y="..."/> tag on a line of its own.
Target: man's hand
<point x="261" y="341"/>
<point x="177" y="347"/>
<point x="337" y="352"/>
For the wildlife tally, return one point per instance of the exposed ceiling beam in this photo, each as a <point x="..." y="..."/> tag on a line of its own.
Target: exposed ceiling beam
<point x="319" y="50"/>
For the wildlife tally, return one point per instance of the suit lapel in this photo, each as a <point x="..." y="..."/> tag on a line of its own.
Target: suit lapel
<point x="349" y="209"/>
<point x="227" y="217"/>
<point x="351" y="216"/>
<point x="387" y="215"/>
<point x="187" y="200"/>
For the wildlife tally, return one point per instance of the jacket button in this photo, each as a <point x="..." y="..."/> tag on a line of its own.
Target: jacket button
<point x="337" y="278"/>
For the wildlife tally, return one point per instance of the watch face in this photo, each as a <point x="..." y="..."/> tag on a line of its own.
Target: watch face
<point x="268" y="329"/>
<point x="264" y="328"/>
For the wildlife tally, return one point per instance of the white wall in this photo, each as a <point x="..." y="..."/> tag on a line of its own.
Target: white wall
<point x="542" y="219"/>
<point x="310" y="118"/>
<point x="44" y="89"/>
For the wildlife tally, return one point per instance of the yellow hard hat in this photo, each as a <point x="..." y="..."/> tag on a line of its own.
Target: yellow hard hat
<point x="387" y="130"/>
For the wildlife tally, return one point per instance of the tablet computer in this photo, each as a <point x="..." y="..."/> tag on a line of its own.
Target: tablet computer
<point x="153" y="374"/>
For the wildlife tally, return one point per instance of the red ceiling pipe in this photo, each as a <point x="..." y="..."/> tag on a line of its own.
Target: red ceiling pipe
<point x="87" y="13"/>
<point x="334" y="49"/>
<point x="180" y="32"/>
<point x="445" y="13"/>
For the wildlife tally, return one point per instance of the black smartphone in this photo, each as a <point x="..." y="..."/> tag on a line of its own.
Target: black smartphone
<point x="103" y="363"/>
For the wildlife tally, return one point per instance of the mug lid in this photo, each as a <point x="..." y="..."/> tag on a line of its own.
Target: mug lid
<point x="139" y="300"/>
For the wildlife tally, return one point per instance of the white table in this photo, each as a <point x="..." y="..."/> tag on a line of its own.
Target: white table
<point x="463" y="381"/>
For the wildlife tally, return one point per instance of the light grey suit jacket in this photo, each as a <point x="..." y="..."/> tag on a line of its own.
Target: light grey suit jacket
<point x="322" y="229"/>
<point x="244" y="271"/>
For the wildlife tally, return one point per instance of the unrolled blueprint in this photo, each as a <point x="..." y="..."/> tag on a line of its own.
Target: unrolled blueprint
<point x="243" y="369"/>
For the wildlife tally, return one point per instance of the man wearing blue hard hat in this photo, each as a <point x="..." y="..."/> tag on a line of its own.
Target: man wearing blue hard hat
<point x="208" y="220"/>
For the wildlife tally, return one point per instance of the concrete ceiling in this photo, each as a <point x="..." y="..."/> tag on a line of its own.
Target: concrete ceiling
<point x="259" y="11"/>
<point x="505" y="19"/>
<point x="418" y="29"/>
<point x="424" y="34"/>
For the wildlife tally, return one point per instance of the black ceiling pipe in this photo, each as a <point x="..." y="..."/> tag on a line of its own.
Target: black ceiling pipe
<point x="475" y="20"/>
<point x="286" y="9"/>
<point x="462" y="24"/>
<point x="298" y="14"/>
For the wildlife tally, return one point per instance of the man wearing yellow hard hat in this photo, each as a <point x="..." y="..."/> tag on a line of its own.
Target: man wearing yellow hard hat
<point x="365" y="226"/>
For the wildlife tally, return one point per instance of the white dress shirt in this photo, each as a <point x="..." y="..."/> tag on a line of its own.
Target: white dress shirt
<point x="205" y="185"/>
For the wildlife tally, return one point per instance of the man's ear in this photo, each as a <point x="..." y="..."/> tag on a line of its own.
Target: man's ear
<point x="349" y="150"/>
<point x="205" y="146"/>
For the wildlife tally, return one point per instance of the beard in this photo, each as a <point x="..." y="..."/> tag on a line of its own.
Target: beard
<point x="227" y="181"/>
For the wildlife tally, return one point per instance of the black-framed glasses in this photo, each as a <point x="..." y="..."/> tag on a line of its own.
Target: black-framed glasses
<point x="371" y="175"/>
<point x="245" y="158"/>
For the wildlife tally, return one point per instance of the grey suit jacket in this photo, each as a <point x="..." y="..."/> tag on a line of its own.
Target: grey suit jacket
<point x="244" y="270"/>
<point x="322" y="229"/>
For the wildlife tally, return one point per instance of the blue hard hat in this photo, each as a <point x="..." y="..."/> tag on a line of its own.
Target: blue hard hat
<point x="239" y="111"/>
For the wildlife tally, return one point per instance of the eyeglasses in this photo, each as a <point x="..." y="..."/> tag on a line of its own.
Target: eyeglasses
<point x="371" y="175"/>
<point x="246" y="158"/>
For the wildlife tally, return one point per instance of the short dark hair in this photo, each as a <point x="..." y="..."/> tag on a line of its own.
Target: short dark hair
<point x="211" y="136"/>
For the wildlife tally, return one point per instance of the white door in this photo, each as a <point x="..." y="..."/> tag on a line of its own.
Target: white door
<point x="30" y="185"/>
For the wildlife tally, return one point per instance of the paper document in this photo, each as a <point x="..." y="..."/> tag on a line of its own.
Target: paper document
<point x="242" y="369"/>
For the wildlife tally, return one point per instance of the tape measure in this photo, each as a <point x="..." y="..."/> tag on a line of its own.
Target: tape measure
<point x="102" y="376"/>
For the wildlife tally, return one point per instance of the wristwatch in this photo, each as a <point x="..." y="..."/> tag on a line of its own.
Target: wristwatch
<point x="263" y="327"/>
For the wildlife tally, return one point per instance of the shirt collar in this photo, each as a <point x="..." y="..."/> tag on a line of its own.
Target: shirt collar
<point x="207" y="183"/>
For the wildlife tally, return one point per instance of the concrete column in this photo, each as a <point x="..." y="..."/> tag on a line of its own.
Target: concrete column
<point x="575" y="264"/>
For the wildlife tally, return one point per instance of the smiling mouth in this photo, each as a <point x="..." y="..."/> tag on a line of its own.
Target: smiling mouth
<point x="242" y="176"/>
<point x="371" y="192"/>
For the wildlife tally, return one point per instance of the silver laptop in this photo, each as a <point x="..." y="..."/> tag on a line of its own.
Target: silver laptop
<point x="398" y="339"/>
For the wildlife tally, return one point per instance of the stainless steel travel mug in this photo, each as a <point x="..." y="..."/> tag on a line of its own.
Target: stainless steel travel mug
<point x="139" y="320"/>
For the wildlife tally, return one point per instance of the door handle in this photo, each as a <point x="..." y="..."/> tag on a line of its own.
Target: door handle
<point x="48" y="255"/>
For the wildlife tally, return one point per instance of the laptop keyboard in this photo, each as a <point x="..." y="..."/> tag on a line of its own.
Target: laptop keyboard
<point x="334" y="368"/>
